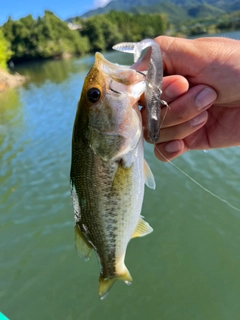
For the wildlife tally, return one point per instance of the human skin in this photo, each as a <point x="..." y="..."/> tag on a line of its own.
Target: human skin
<point x="202" y="86"/>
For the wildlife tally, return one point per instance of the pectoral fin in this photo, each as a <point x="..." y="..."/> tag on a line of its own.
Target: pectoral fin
<point x="148" y="176"/>
<point x="83" y="248"/>
<point x="142" y="229"/>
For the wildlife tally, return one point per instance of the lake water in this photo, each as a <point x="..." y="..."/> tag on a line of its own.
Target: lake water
<point x="187" y="269"/>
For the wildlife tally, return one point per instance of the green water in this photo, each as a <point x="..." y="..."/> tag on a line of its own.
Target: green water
<point x="187" y="269"/>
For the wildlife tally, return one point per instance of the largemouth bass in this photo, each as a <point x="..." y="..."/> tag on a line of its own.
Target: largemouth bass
<point x="108" y="170"/>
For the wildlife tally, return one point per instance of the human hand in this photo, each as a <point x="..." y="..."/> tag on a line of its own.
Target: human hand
<point x="207" y="63"/>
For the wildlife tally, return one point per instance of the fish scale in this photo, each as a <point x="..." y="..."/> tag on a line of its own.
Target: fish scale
<point x="108" y="171"/>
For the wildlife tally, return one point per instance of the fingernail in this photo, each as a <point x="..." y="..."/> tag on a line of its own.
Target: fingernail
<point x="202" y="117"/>
<point x="173" y="146"/>
<point x="205" y="97"/>
<point x="173" y="90"/>
<point x="170" y="91"/>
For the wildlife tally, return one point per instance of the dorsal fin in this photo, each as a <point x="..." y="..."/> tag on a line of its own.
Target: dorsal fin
<point x="148" y="176"/>
<point x="142" y="229"/>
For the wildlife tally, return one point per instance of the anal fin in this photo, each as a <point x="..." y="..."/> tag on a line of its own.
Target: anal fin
<point x="143" y="228"/>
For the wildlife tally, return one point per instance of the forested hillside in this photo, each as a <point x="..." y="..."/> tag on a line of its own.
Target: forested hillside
<point x="176" y="10"/>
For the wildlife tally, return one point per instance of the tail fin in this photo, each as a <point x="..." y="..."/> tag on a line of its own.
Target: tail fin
<point x="135" y="47"/>
<point x="129" y="47"/>
<point x="105" y="284"/>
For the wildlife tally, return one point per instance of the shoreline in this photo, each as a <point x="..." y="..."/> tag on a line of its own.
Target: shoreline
<point x="8" y="80"/>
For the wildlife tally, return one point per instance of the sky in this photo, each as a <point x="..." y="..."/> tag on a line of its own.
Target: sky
<point x="63" y="9"/>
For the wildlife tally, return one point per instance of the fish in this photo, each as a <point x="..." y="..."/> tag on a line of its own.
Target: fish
<point x="108" y="170"/>
<point x="154" y="78"/>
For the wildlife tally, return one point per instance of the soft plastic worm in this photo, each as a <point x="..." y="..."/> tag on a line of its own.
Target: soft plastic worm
<point x="153" y="82"/>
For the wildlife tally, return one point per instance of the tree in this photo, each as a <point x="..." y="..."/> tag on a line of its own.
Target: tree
<point x="5" y="52"/>
<point x="45" y="37"/>
<point x="93" y="30"/>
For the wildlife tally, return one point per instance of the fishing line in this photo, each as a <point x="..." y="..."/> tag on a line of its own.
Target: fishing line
<point x="198" y="184"/>
<point x="164" y="116"/>
<point x="193" y="180"/>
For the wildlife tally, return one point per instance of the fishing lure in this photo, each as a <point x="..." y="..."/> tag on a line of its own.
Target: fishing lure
<point x="154" y="78"/>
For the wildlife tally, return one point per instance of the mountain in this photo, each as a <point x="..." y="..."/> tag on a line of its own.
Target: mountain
<point x="176" y="10"/>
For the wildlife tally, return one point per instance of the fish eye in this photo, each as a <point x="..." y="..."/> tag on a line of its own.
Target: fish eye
<point x="93" y="95"/>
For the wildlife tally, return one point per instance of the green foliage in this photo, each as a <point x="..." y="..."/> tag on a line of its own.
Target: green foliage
<point x="45" y="37"/>
<point x="208" y="25"/>
<point x="5" y="52"/>
<point x="229" y="22"/>
<point x="106" y="30"/>
<point x="49" y="37"/>
<point x="93" y="30"/>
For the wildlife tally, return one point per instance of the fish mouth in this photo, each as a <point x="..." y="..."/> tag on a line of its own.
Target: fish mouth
<point x="122" y="80"/>
<point x="119" y="73"/>
<point x="101" y="60"/>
